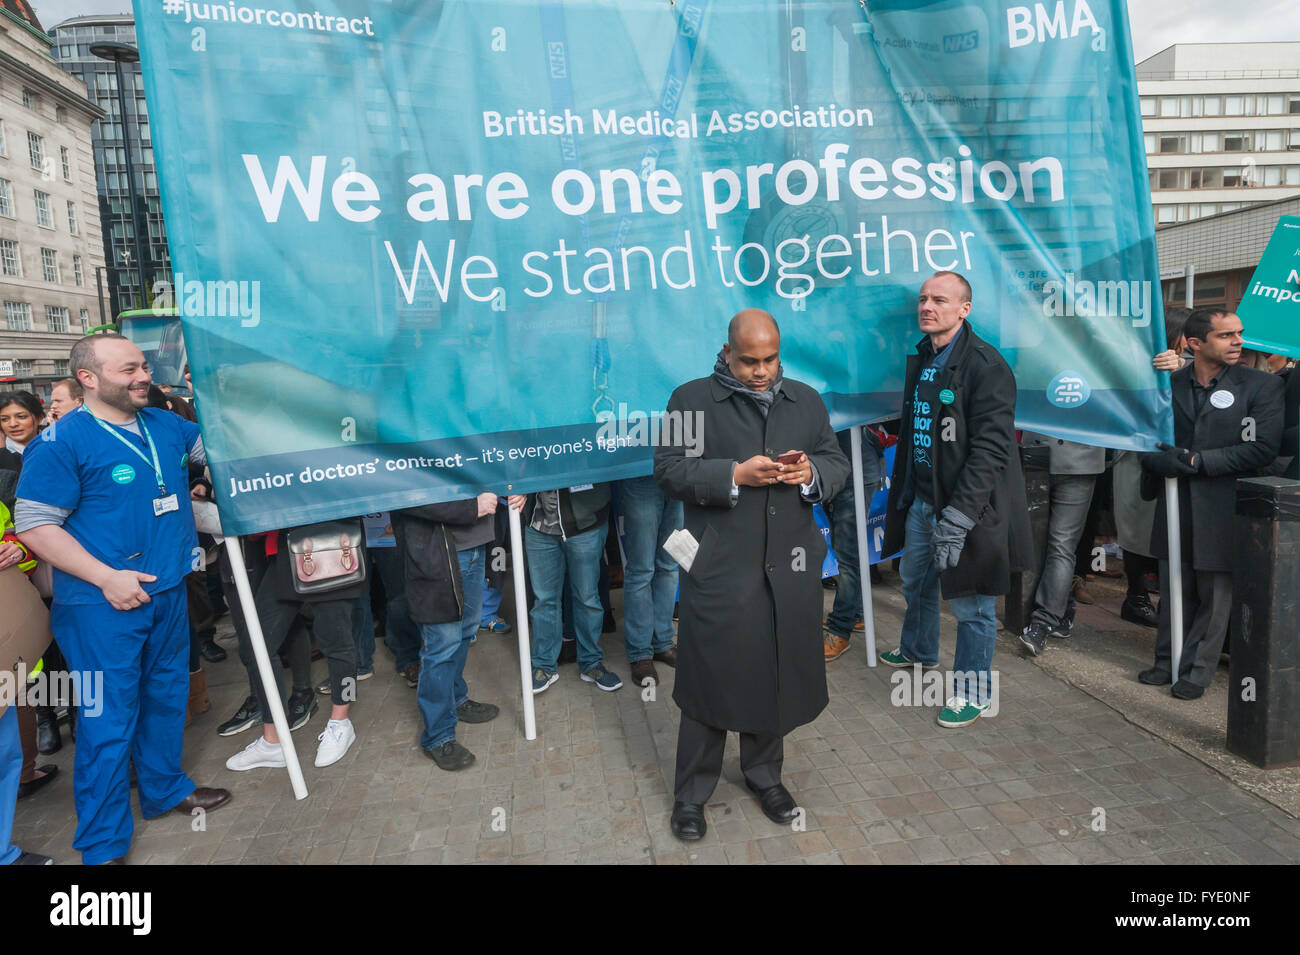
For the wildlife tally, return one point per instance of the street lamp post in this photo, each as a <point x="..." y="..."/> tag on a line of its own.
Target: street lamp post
<point x="121" y="53"/>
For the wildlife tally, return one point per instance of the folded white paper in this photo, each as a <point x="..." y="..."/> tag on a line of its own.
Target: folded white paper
<point x="682" y="547"/>
<point x="206" y="518"/>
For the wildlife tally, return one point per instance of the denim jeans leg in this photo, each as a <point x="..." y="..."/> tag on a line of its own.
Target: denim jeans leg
<point x="977" y="631"/>
<point x="582" y="554"/>
<point x="1071" y="495"/>
<point x="545" y="556"/>
<point x="847" y="610"/>
<point x="491" y="604"/>
<point x="471" y="573"/>
<point x="920" y="636"/>
<point x="664" y="588"/>
<point x="642" y="506"/>
<point x="435" y="693"/>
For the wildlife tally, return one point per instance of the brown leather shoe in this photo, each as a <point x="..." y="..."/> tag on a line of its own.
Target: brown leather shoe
<point x="668" y="657"/>
<point x="835" y="646"/>
<point x="1079" y="591"/>
<point x="643" y="672"/>
<point x="203" y="798"/>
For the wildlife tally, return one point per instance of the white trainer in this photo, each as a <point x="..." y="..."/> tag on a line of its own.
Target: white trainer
<point x="335" y="742"/>
<point x="255" y="755"/>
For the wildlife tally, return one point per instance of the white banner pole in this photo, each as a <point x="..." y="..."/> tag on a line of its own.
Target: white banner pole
<point x="521" y="622"/>
<point x="1175" y="595"/>
<point x="258" y="642"/>
<point x="860" y="518"/>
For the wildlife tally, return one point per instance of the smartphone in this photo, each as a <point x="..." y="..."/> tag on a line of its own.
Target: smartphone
<point x="790" y="457"/>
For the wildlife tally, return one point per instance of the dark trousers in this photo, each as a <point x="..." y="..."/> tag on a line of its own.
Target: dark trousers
<point x="1207" y="610"/>
<point x="699" y="760"/>
<point x="331" y="625"/>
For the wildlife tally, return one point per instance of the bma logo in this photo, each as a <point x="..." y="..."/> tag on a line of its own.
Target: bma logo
<point x="961" y="42"/>
<point x="1039" y="25"/>
<point x="1069" y="389"/>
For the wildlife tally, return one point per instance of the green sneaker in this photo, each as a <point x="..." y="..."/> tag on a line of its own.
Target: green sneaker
<point x="895" y="658"/>
<point x="960" y="712"/>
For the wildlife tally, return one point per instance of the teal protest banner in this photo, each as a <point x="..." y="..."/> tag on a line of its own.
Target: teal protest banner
<point x="1270" y="309"/>
<point x="427" y="247"/>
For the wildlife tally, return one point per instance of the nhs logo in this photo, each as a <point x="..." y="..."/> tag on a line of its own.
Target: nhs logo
<point x="961" y="42"/>
<point x="1048" y="21"/>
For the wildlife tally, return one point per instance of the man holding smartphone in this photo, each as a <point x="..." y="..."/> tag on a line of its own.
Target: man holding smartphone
<point x="749" y="652"/>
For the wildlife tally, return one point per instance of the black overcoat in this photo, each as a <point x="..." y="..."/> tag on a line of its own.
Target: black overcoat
<point x="750" y="649"/>
<point x="1239" y="440"/>
<point x="976" y="467"/>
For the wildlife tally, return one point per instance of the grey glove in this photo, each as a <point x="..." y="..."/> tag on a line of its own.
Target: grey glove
<point x="950" y="537"/>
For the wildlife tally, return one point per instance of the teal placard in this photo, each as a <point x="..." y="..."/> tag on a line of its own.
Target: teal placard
<point x="1270" y="309"/>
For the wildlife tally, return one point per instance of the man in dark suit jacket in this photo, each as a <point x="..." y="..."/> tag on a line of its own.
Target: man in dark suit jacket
<point x="749" y="652"/>
<point x="1227" y="425"/>
<point x="957" y="499"/>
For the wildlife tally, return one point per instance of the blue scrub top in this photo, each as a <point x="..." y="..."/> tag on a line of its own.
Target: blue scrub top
<point x="110" y="491"/>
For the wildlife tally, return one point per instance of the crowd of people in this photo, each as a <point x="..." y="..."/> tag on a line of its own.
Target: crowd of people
<point x="98" y="490"/>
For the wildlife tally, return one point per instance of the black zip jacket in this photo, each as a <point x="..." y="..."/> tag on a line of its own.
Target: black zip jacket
<point x="434" y="589"/>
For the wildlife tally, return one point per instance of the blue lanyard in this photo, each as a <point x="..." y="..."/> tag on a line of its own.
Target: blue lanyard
<point x="144" y="431"/>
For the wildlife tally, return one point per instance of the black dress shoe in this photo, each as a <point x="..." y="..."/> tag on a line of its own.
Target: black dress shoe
<point x="450" y="756"/>
<point x="776" y="802"/>
<point x="1154" y="677"/>
<point x="1187" y="690"/>
<point x="688" y="822"/>
<point x="472" y="711"/>
<point x="27" y="788"/>
<point x="48" y="739"/>
<point x="1138" y="609"/>
<point x="209" y="650"/>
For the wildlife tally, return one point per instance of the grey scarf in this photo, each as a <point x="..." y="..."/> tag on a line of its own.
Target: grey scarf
<point x="763" y="399"/>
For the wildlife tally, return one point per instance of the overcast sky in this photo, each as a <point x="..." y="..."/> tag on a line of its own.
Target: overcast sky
<point x="1156" y="23"/>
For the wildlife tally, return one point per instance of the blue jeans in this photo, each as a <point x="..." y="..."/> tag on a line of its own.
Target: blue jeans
<point x="650" y="577"/>
<point x="491" y="604"/>
<point x="401" y="635"/>
<point x="549" y="555"/>
<point x="847" y="611"/>
<point x="977" y="626"/>
<point x="442" y="685"/>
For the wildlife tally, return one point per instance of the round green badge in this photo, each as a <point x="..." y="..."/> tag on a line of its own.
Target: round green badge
<point x="124" y="474"/>
<point x="947" y="397"/>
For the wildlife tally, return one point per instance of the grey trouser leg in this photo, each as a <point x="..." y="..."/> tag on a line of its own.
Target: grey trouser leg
<point x="1071" y="495"/>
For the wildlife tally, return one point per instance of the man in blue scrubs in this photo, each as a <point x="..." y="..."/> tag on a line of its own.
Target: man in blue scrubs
<point x="104" y="498"/>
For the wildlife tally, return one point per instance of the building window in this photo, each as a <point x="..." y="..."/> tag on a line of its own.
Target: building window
<point x="1168" y="106"/>
<point x="50" y="265"/>
<point x="1173" y="143"/>
<point x="43" y="215"/>
<point x="4" y="142"/>
<point x="1148" y="104"/>
<point x="10" y="262"/>
<point x="18" y="317"/>
<point x="29" y="98"/>
<point x="6" y="198"/>
<point x="85" y="321"/>
<point x="1232" y="177"/>
<point x="60" y="115"/>
<point x="1166" y="214"/>
<point x="1212" y="106"/>
<point x="1208" y="178"/>
<point x="65" y="158"/>
<point x="1169" y="179"/>
<point x="1234" y="106"/>
<point x="1150" y="140"/>
<point x="36" y="150"/>
<point x="72" y="217"/>
<point x="56" y="319"/>
<point x="78" y="276"/>
<point x="23" y="367"/>
<point x="62" y="367"/>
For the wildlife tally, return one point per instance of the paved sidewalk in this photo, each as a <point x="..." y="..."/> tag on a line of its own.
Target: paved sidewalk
<point x="881" y="783"/>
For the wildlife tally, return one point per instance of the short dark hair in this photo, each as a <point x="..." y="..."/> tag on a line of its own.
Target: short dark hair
<point x="24" y="399"/>
<point x="75" y="391"/>
<point x="1201" y="320"/>
<point x="965" y="286"/>
<point x="83" y="354"/>
<point x="1175" y="322"/>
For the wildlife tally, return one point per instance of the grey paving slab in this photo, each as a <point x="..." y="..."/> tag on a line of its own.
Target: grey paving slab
<point x="1056" y="777"/>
